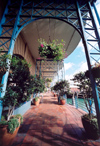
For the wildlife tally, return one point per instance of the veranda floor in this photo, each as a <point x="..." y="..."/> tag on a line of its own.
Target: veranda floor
<point x="50" y="124"/>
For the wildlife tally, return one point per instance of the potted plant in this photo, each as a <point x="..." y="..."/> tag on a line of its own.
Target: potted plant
<point x="20" y="79"/>
<point x="51" y="50"/>
<point x="9" y="125"/>
<point x="60" y="87"/>
<point x="19" y="88"/>
<point x="9" y="129"/>
<point x="36" y="101"/>
<point x="95" y="71"/>
<point x="48" y="81"/>
<point x="38" y="86"/>
<point x="62" y="100"/>
<point x="89" y="120"/>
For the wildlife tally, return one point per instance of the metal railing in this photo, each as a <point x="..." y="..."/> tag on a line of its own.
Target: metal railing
<point x="80" y="103"/>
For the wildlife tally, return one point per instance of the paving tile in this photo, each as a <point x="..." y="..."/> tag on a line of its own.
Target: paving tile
<point x="51" y="124"/>
<point x="37" y="141"/>
<point x="18" y="139"/>
<point x="28" y="139"/>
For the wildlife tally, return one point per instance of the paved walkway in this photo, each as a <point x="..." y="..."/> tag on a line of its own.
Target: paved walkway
<point x="50" y="124"/>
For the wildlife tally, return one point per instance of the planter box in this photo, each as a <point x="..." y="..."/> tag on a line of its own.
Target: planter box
<point x="23" y="108"/>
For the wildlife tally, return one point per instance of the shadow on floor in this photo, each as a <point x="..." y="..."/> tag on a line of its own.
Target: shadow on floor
<point x="47" y="129"/>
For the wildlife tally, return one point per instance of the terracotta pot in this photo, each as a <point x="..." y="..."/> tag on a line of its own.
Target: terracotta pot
<point x="6" y="139"/>
<point x="36" y="103"/>
<point x="62" y="102"/>
<point x="55" y="95"/>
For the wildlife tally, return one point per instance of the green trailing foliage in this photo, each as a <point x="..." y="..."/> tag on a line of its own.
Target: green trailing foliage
<point x="3" y="122"/>
<point x="12" y="123"/>
<point x="52" y="50"/>
<point x="19" y="116"/>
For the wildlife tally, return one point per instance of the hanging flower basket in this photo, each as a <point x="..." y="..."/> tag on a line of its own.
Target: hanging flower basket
<point x="95" y="71"/>
<point x="52" y="50"/>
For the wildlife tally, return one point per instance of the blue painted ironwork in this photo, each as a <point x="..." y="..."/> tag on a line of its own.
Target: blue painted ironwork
<point x="94" y="87"/>
<point x="76" y="100"/>
<point x="90" y="104"/>
<point x="94" y="25"/>
<point x="3" y="17"/>
<point x="96" y="12"/>
<point x="10" y="51"/>
<point x="17" y="16"/>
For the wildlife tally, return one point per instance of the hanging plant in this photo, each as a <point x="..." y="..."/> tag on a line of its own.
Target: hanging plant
<point x="51" y="50"/>
<point x="95" y="71"/>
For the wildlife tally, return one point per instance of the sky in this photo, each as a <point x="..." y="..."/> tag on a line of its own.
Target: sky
<point x="76" y="61"/>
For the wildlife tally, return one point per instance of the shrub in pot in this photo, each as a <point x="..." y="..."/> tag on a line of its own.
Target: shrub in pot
<point x="38" y="85"/>
<point x="19" y="89"/>
<point x="60" y="87"/>
<point x="62" y="100"/>
<point x="9" y="129"/>
<point x="89" y="120"/>
<point x="20" y="79"/>
<point x="36" y="100"/>
<point x="91" y="126"/>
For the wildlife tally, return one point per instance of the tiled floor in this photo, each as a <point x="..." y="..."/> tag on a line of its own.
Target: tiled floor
<point x="50" y="124"/>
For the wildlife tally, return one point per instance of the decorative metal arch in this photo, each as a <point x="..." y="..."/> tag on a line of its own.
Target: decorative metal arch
<point x="77" y="13"/>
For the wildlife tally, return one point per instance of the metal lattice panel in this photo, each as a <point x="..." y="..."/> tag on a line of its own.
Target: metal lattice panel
<point x="21" y="12"/>
<point x="77" y="13"/>
<point x="49" y="68"/>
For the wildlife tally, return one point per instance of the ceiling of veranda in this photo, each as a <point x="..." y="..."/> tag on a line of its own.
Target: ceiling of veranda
<point x="57" y="29"/>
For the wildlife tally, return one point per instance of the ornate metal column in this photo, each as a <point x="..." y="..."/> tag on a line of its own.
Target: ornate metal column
<point x="96" y="12"/>
<point x="94" y="87"/>
<point x="22" y="12"/>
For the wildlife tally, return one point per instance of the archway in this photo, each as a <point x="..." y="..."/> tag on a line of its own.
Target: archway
<point x="73" y="12"/>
